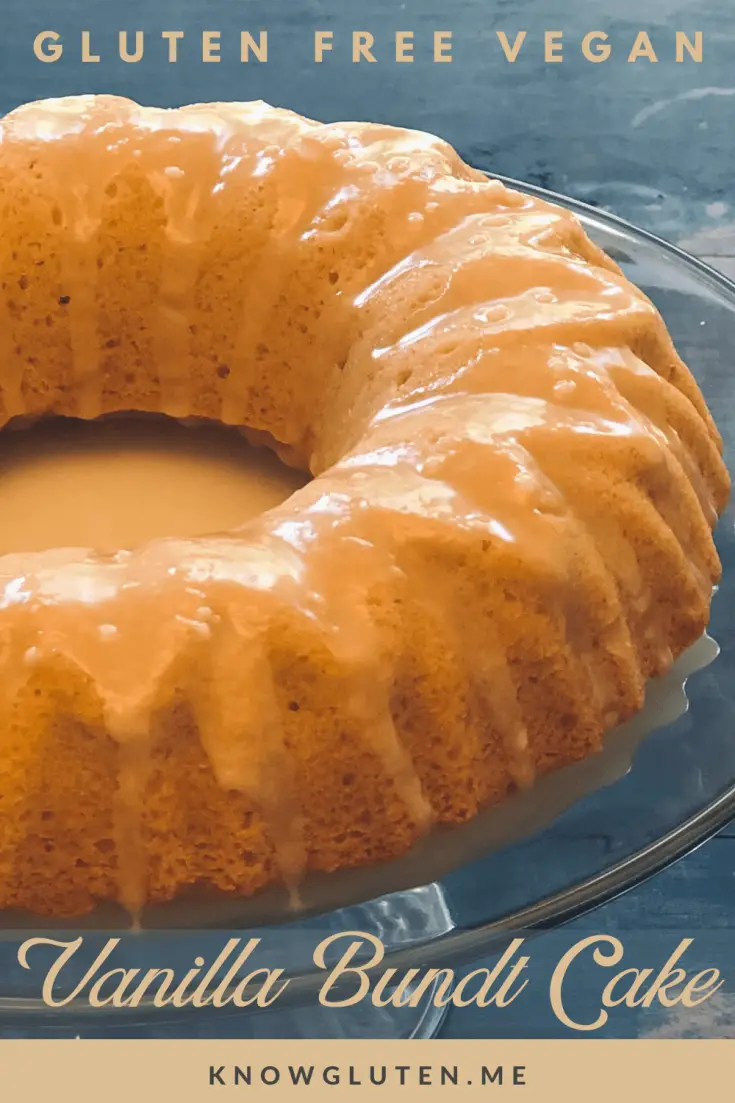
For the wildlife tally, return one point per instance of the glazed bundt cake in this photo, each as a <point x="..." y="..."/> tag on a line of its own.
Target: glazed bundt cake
<point x="508" y="531"/>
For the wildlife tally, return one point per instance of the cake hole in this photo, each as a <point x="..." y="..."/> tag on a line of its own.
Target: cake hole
<point x="120" y="481"/>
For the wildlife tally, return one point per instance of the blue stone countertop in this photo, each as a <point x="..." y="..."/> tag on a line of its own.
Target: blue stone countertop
<point x="651" y="142"/>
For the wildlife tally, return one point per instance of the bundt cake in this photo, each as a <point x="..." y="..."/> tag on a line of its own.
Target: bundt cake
<point x="508" y="529"/>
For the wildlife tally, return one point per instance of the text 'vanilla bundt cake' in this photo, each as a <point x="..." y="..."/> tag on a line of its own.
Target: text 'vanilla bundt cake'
<point x="508" y="529"/>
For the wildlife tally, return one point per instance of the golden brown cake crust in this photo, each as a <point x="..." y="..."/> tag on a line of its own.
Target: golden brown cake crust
<point x="509" y="529"/>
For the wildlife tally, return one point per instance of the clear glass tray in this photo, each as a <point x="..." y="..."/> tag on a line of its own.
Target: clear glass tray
<point x="662" y="786"/>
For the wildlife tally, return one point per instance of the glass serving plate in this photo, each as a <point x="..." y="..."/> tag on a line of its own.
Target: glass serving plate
<point x="664" y="784"/>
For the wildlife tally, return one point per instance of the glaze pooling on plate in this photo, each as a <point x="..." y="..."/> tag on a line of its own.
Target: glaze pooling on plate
<point x="508" y="531"/>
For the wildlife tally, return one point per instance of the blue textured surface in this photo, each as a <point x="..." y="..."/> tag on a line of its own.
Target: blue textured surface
<point x="649" y="142"/>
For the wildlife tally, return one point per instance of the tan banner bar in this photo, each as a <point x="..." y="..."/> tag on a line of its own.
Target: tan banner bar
<point x="191" y="1071"/>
